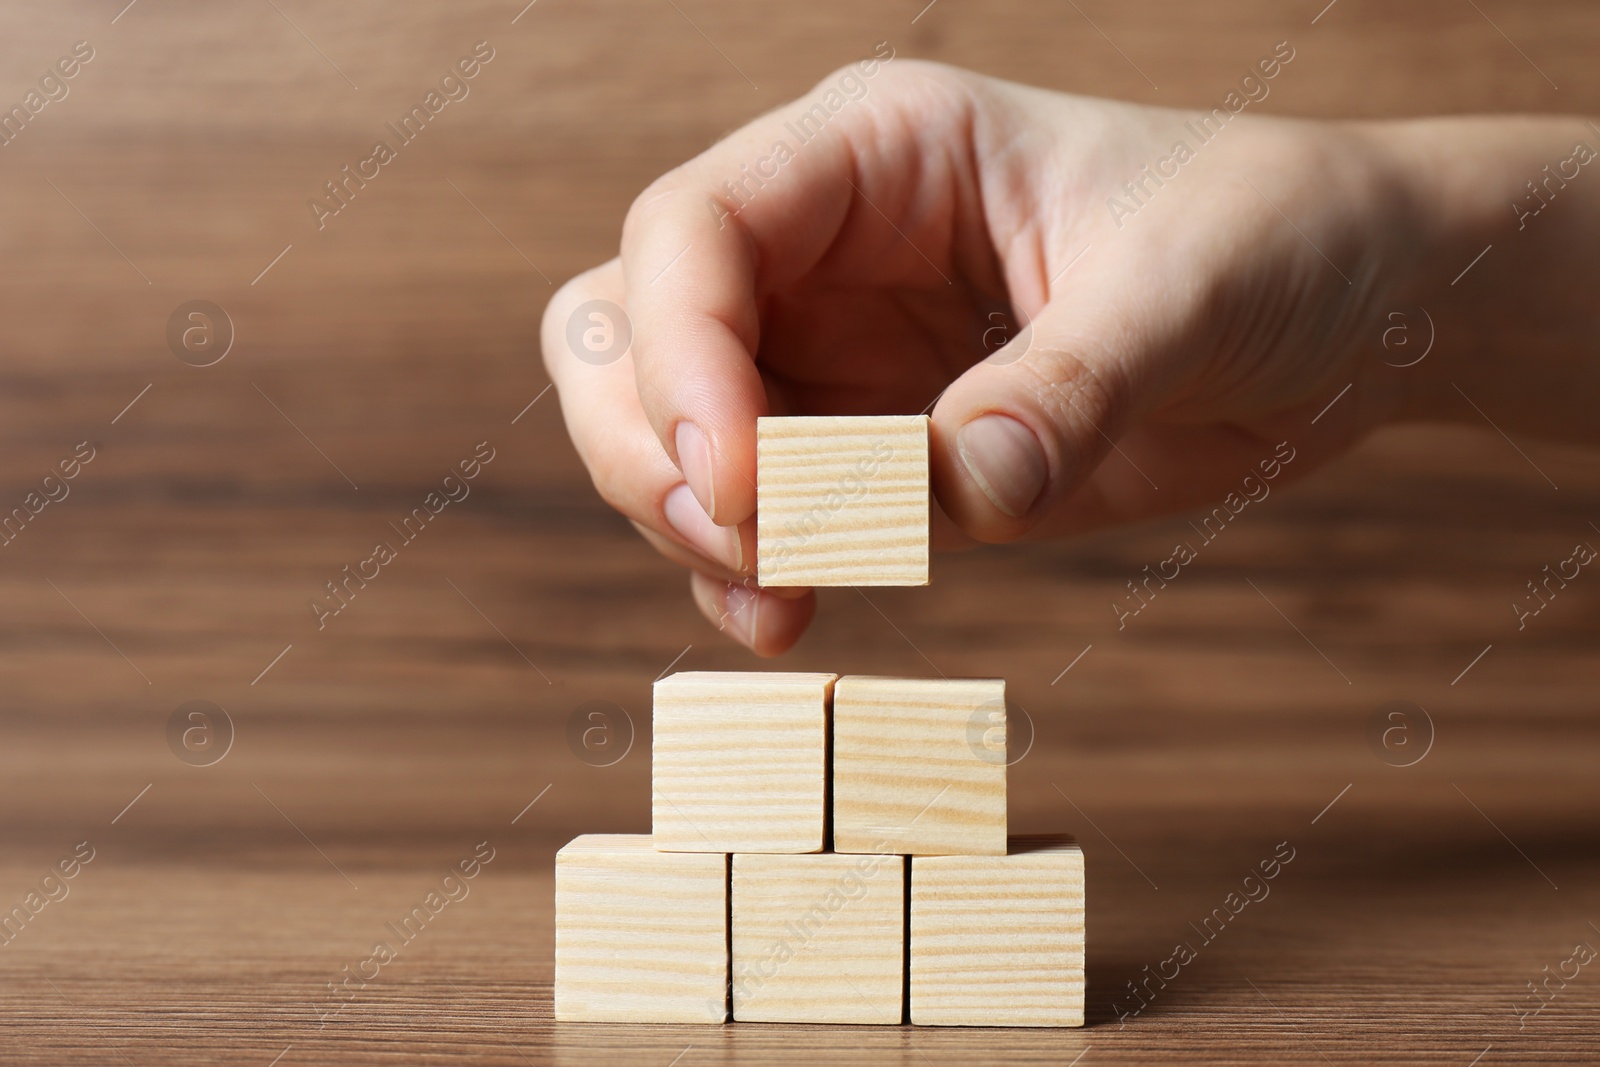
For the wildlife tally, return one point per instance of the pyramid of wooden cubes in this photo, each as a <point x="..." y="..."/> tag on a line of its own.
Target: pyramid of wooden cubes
<point x="826" y="849"/>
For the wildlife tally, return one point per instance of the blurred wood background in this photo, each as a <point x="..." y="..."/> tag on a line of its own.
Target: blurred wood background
<point x="371" y="755"/>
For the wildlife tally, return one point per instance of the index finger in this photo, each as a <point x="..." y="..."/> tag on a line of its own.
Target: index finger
<point x="700" y="248"/>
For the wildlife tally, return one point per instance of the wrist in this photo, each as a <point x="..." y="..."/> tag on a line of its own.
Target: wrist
<point x="1429" y="226"/>
<point x="1490" y="275"/>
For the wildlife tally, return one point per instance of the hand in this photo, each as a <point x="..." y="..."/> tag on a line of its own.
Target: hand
<point x="877" y="265"/>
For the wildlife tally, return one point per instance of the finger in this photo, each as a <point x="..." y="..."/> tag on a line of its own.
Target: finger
<point x="1021" y="432"/>
<point x="695" y="562"/>
<point x="765" y="623"/>
<point x="688" y="558"/>
<point x="706" y="242"/>
<point x="1216" y="466"/>
<point x="614" y="439"/>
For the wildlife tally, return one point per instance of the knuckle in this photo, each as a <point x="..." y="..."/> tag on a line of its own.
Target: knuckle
<point x="923" y="75"/>
<point x="615" y="483"/>
<point x="631" y="475"/>
<point x="1081" y="398"/>
<point x="556" y="325"/>
<point x="611" y="493"/>
<point x="649" y="204"/>
<point x="1068" y="383"/>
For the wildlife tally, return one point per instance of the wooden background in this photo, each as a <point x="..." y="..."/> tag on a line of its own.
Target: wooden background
<point x="426" y="716"/>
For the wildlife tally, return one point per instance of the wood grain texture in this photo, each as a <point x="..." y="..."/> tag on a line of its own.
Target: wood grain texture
<point x="842" y="500"/>
<point x="641" y="935"/>
<point x="739" y="761"/>
<point x="999" y="940"/>
<point x="210" y="924"/>
<point x="818" y="939"/>
<point x="919" y="765"/>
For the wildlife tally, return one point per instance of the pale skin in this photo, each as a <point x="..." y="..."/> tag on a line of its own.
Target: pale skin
<point x="1197" y="331"/>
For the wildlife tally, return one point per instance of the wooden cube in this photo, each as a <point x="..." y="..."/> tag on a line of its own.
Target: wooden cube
<point x="819" y="939"/>
<point x="998" y="940"/>
<point x="919" y="765"/>
<point x="641" y="935"/>
<point x="842" y="500"/>
<point x="739" y="762"/>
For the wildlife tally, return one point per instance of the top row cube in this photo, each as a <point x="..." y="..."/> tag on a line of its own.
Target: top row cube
<point x="745" y="761"/>
<point x="842" y="500"/>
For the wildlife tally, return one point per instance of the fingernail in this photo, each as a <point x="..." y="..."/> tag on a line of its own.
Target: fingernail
<point x="743" y="613"/>
<point x="685" y="515"/>
<point x="1006" y="460"/>
<point x="694" y="460"/>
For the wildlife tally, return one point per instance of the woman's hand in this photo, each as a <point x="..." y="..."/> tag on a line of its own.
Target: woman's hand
<point x="1112" y="311"/>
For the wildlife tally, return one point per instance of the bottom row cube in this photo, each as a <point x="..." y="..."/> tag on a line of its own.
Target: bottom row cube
<point x="643" y="936"/>
<point x="819" y="938"/>
<point x="999" y="941"/>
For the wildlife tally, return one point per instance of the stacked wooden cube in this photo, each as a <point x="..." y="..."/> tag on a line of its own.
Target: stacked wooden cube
<point x="826" y="849"/>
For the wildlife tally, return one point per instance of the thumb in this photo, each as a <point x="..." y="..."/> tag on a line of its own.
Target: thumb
<point x="1020" y="432"/>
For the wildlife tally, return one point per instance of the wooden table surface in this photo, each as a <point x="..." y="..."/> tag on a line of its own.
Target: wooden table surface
<point x="369" y="756"/>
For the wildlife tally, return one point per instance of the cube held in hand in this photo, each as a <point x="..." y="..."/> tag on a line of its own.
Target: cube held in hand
<point x="842" y="500"/>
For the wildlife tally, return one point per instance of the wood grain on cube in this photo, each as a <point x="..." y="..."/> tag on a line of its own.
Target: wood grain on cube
<point x="842" y="500"/>
<point x="999" y="940"/>
<point x="739" y="761"/>
<point x="919" y="765"/>
<point x="819" y="939"/>
<point x="641" y="935"/>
